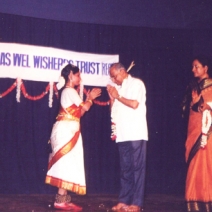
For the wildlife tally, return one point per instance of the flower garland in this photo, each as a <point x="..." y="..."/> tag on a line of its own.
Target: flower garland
<point x="51" y="88"/>
<point x="113" y="135"/>
<point x="114" y="111"/>
<point x="34" y="98"/>
<point x="18" y="89"/>
<point x="101" y="103"/>
<point x="55" y="90"/>
<point x="8" y="90"/>
<point x="50" y="93"/>
<point x="113" y="120"/>
<point x="96" y="101"/>
<point x="206" y="123"/>
<point x="81" y="89"/>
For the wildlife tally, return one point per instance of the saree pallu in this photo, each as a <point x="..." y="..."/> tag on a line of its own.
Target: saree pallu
<point x="198" y="191"/>
<point x="66" y="162"/>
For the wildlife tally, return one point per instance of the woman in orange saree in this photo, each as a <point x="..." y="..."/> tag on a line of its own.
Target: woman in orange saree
<point x="66" y="162"/>
<point x="198" y="191"/>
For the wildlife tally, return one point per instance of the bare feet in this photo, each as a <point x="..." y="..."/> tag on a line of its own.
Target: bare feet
<point x="132" y="208"/>
<point x="118" y="207"/>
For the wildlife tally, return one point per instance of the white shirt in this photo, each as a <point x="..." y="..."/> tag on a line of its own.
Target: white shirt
<point x="131" y="124"/>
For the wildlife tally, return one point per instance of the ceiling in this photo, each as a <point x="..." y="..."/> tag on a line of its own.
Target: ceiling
<point x="184" y="14"/>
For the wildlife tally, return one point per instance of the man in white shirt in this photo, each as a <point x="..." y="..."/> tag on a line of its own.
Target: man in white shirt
<point x="128" y="113"/>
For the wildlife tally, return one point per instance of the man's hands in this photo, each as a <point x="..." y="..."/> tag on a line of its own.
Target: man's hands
<point x="112" y="92"/>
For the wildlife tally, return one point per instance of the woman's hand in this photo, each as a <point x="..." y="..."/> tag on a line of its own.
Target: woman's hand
<point x="195" y="97"/>
<point x="91" y="95"/>
<point x="94" y="93"/>
<point x="203" y="107"/>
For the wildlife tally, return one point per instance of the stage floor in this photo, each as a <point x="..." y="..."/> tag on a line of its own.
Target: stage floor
<point x="90" y="203"/>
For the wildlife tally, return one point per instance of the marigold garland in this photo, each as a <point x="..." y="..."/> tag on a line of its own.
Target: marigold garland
<point x="8" y="90"/>
<point x="55" y="90"/>
<point x="35" y="98"/>
<point x="96" y="101"/>
<point x="101" y="103"/>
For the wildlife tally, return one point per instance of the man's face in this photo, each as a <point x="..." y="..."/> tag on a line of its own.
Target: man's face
<point x="116" y="76"/>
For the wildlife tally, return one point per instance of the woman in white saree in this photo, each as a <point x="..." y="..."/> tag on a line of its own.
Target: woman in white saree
<point x="66" y="162"/>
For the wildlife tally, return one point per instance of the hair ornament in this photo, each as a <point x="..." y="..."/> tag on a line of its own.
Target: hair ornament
<point x="81" y="90"/>
<point x="61" y="82"/>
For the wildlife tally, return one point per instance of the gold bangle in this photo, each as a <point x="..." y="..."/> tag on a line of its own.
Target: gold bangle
<point x="89" y="100"/>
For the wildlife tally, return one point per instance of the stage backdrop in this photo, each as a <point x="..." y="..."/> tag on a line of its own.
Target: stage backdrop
<point x="44" y="64"/>
<point x="26" y="62"/>
<point x="162" y="59"/>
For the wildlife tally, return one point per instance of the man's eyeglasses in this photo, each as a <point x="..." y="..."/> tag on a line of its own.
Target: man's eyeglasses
<point x="114" y="77"/>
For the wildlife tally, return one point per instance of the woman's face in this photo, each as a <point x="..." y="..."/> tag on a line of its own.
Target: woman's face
<point x="199" y="70"/>
<point x="75" y="78"/>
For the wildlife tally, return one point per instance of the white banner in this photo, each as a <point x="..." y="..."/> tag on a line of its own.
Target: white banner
<point x="45" y="63"/>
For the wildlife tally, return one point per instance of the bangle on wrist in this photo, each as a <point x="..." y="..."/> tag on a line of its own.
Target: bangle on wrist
<point x="89" y="100"/>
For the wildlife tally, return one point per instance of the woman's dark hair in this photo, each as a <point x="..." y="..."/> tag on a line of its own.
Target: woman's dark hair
<point x="205" y="61"/>
<point x="194" y="85"/>
<point x="67" y="69"/>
